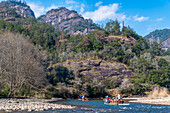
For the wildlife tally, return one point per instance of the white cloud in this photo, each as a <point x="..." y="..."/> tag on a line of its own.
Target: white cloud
<point x="105" y="12"/>
<point x="82" y="8"/>
<point x="140" y="19"/>
<point x="159" y="19"/>
<point x="37" y="8"/>
<point x="98" y="3"/>
<point x="51" y="7"/>
<point x="70" y="7"/>
<point x="71" y="2"/>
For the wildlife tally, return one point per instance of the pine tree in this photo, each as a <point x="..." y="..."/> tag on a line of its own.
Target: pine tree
<point x="117" y="28"/>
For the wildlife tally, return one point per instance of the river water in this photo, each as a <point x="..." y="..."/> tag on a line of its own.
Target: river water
<point x="96" y="106"/>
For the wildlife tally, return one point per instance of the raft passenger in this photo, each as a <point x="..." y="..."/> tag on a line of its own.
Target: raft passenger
<point x="107" y="99"/>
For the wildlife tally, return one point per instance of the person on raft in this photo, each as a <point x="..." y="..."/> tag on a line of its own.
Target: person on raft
<point x="84" y="98"/>
<point x="107" y="99"/>
<point x="118" y="97"/>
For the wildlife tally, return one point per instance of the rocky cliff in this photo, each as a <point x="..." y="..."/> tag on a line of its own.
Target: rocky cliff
<point x="69" y="21"/>
<point x="128" y="41"/>
<point x="166" y="44"/>
<point x="10" y="10"/>
<point x="98" y="69"/>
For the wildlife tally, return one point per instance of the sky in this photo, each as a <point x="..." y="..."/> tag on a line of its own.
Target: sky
<point x="143" y="16"/>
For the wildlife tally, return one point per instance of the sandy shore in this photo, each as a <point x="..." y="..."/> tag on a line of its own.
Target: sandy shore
<point x="156" y="101"/>
<point x="10" y="105"/>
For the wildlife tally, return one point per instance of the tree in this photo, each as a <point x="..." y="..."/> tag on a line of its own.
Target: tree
<point x="116" y="28"/>
<point x="124" y="31"/>
<point x="113" y="27"/>
<point x="108" y="26"/>
<point x="60" y="74"/>
<point x="162" y="62"/>
<point x="126" y="86"/>
<point x="20" y="63"/>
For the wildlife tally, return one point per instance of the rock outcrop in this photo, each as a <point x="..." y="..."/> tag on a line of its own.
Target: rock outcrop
<point x="97" y="69"/>
<point x="123" y="40"/>
<point x="166" y="44"/>
<point x="68" y="21"/>
<point x="14" y="9"/>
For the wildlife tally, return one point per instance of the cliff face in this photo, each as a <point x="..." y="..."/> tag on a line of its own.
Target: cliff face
<point x="98" y="69"/>
<point x="56" y="16"/>
<point x="68" y="21"/>
<point x="14" y="9"/>
<point x="123" y="40"/>
<point x="166" y="44"/>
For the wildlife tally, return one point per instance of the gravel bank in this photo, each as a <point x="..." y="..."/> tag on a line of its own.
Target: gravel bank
<point x="9" y="105"/>
<point x="156" y="101"/>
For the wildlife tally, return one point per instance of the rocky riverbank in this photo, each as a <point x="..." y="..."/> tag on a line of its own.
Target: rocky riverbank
<point x="156" y="101"/>
<point x="9" y="105"/>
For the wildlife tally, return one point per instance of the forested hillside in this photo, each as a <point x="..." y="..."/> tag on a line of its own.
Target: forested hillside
<point x="40" y="60"/>
<point x="163" y="34"/>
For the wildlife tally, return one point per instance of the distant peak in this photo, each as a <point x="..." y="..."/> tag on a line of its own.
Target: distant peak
<point x="68" y="21"/>
<point x="61" y="8"/>
<point x="14" y="8"/>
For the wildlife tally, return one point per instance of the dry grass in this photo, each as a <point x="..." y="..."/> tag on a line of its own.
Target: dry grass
<point x="158" y="92"/>
<point x="154" y="93"/>
<point x="163" y="92"/>
<point x="113" y="92"/>
<point x="74" y="60"/>
<point x="167" y="58"/>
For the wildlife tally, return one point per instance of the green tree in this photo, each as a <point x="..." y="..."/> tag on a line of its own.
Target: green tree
<point x="60" y="74"/>
<point x="162" y="62"/>
<point x="116" y="28"/>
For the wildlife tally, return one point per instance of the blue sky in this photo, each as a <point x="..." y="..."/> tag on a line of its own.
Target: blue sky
<point x="143" y="16"/>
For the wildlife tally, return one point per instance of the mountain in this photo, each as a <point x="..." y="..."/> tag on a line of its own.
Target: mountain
<point x="69" y="21"/>
<point x="10" y="10"/>
<point x="63" y="19"/>
<point x="163" y="34"/>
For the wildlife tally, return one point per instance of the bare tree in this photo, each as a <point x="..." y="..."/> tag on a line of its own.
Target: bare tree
<point x="19" y="63"/>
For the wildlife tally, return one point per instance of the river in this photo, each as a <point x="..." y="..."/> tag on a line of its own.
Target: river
<point x="96" y="106"/>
